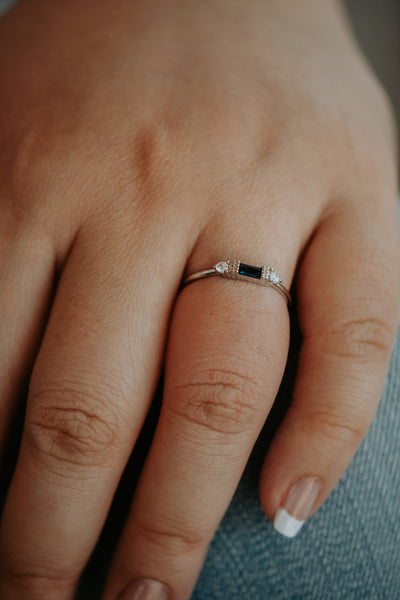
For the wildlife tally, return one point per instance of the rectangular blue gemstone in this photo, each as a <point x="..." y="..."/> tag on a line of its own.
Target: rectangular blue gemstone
<point x="250" y="271"/>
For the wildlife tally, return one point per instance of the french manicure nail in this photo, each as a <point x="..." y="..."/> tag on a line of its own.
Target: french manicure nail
<point x="144" y="589"/>
<point x="290" y="517"/>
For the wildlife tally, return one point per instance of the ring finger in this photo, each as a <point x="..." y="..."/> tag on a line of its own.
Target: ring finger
<point x="226" y="353"/>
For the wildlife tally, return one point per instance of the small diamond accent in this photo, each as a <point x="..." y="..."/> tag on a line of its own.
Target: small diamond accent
<point x="274" y="277"/>
<point x="221" y="267"/>
<point x="271" y="275"/>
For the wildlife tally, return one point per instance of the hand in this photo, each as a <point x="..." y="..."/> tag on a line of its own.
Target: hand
<point x="141" y="142"/>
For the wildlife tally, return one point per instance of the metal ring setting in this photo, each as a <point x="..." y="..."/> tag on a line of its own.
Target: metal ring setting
<point x="235" y="269"/>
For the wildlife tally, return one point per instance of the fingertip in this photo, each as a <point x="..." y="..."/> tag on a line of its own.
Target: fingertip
<point x="289" y="508"/>
<point x="285" y="524"/>
<point x="144" y="589"/>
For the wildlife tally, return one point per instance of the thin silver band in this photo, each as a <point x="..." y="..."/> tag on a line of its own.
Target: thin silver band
<point x="235" y="269"/>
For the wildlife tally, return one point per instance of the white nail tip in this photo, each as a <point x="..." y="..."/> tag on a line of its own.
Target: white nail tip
<point x="286" y="524"/>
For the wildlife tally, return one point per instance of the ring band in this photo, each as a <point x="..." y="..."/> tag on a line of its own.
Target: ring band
<point x="235" y="269"/>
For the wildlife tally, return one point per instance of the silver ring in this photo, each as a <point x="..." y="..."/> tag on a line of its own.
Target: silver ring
<point x="235" y="269"/>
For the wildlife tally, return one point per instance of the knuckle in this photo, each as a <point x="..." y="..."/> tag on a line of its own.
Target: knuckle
<point x="32" y="584"/>
<point x="338" y="428"/>
<point x="171" y="539"/>
<point x="221" y="399"/>
<point x="361" y="337"/>
<point x="157" y="144"/>
<point x="151" y="149"/>
<point x="73" y="426"/>
<point x="25" y="170"/>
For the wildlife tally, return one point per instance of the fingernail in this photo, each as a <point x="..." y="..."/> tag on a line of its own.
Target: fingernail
<point x="290" y="517"/>
<point x="144" y="589"/>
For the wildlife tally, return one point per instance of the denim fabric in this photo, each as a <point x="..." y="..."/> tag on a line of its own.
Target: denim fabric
<point x="5" y="5"/>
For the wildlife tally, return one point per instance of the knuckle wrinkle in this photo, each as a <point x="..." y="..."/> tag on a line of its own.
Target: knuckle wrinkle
<point x="34" y="584"/>
<point x="78" y="433"/>
<point x="172" y="540"/>
<point x="221" y="400"/>
<point x="361" y="338"/>
<point x="339" y="428"/>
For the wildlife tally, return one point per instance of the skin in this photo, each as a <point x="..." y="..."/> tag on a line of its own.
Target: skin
<point x="141" y="142"/>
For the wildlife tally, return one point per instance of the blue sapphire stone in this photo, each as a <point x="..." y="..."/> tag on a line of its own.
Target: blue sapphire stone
<point x="250" y="271"/>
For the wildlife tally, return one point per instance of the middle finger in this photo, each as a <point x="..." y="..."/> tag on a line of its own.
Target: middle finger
<point x="90" y="391"/>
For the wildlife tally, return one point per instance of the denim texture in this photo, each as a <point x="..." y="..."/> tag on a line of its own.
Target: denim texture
<point x="5" y="5"/>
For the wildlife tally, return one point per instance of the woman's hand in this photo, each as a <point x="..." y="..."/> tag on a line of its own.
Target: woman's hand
<point x="141" y="142"/>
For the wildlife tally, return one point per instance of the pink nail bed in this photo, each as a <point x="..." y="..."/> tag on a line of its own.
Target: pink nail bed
<point x="290" y="517"/>
<point x="144" y="589"/>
